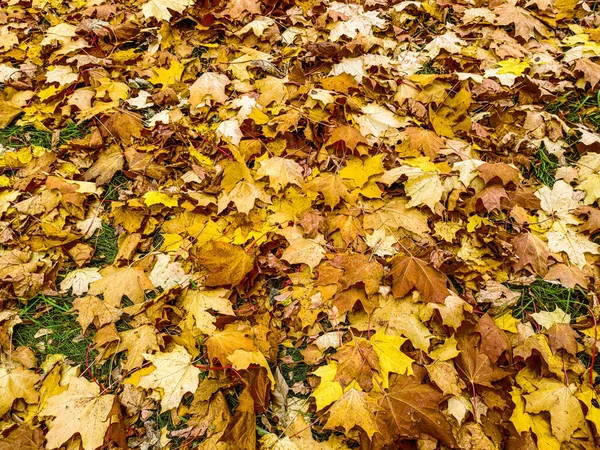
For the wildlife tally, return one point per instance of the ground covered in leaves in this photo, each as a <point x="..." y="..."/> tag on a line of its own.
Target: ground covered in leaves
<point x="295" y="225"/>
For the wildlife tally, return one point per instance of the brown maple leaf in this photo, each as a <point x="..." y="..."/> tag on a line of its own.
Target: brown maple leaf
<point x="531" y="250"/>
<point x="525" y="24"/>
<point x="359" y="269"/>
<point x="410" y="273"/>
<point x="501" y="172"/>
<point x="356" y="362"/>
<point x="410" y="408"/>
<point x="419" y="140"/>
<point x="475" y="366"/>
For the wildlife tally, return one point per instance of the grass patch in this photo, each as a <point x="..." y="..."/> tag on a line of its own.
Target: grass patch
<point x="544" y="296"/>
<point x="105" y="241"/>
<point x="118" y="182"/>
<point x="43" y="314"/>
<point x="543" y="167"/>
<point x="578" y="108"/>
<point x="51" y="319"/>
<point x="17" y="137"/>
<point x="296" y="371"/>
<point x="429" y="69"/>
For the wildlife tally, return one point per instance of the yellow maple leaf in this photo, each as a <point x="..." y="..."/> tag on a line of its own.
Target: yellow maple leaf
<point x="361" y="409"/>
<point x="174" y="376"/>
<point x="80" y="409"/>
<point x="241" y="359"/>
<point x="17" y="383"/>
<point x="391" y="359"/>
<point x="359" y="171"/>
<point x="168" y="76"/>
<point x="117" y="282"/>
<point x="328" y="390"/>
<point x="513" y="65"/>
<point x="553" y="396"/>
<point x="160" y="8"/>
<point x="198" y="303"/>
<point x="281" y="172"/>
<point x="160" y="198"/>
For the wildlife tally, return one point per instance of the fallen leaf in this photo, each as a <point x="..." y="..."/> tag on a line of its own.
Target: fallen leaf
<point x="79" y="280"/>
<point x="362" y="408"/>
<point x="555" y="397"/>
<point x="17" y="383"/>
<point x="226" y="263"/>
<point x="80" y="409"/>
<point x="410" y="273"/>
<point x="410" y="408"/>
<point x="174" y="376"/>
<point x="116" y="283"/>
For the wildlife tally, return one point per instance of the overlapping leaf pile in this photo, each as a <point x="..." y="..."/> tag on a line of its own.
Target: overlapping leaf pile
<point x="325" y="210"/>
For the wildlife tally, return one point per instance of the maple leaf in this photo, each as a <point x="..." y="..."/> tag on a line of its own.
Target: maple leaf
<point x="243" y="196"/>
<point x="355" y="20"/>
<point x="226" y="263"/>
<point x="17" y="383"/>
<point x="224" y="343"/>
<point x="241" y="359"/>
<point x="567" y="276"/>
<point x="80" y="409"/>
<point x="503" y="172"/>
<point x="409" y="273"/>
<point x="304" y="251"/>
<point x="328" y="390"/>
<point x="23" y="438"/>
<point x="333" y="189"/>
<point x="281" y="172"/>
<point x="241" y="429"/>
<point x="410" y="408"/>
<point x="396" y="214"/>
<point x="424" y="189"/>
<point x="525" y="24"/>
<point x="562" y="239"/>
<point x="553" y="396"/>
<point x="590" y="70"/>
<point x="79" y="280"/>
<point x="417" y="139"/>
<point x="125" y="125"/>
<point x="160" y="198"/>
<point x="531" y="250"/>
<point x="198" y="303"/>
<point x="160" y="8"/>
<point x="558" y="201"/>
<point x="116" y="283"/>
<point x="376" y="120"/>
<point x="360" y="171"/>
<point x="546" y="318"/>
<point x="92" y="309"/>
<point x="362" y="408"/>
<point x="358" y="269"/>
<point x="241" y="8"/>
<point x="174" y="376"/>
<point x="136" y="342"/>
<point x="476" y="366"/>
<point x="349" y="135"/>
<point x="108" y="163"/>
<point x="356" y="362"/>
<point x="209" y="84"/>
<point x="167" y="273"/>
<point x="391" y="359"/>
<point x="588" y="397"/>
<point x="381" y="243"/>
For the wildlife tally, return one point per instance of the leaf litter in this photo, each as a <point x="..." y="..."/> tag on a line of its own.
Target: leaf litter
<point x="299" y="224"/>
